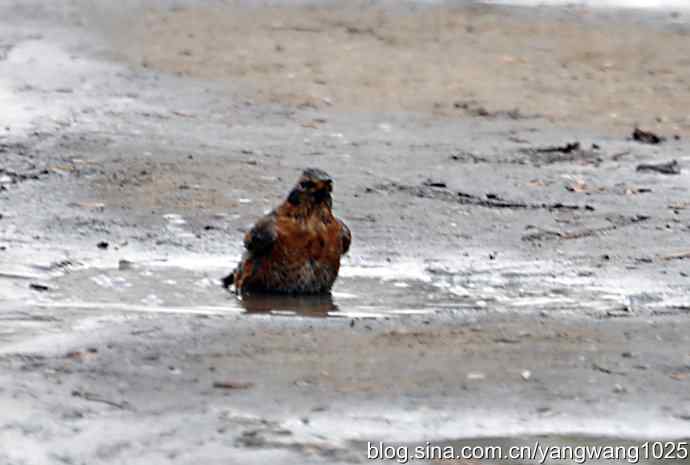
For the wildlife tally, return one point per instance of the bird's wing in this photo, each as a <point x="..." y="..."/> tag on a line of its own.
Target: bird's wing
<point x="262" y="236"/>
<point x="345" y="236"/>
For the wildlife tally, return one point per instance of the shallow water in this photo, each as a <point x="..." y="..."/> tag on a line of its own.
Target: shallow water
<point x="191" y="284"/>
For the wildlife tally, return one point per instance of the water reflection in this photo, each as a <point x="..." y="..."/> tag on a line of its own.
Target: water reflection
<point x="278" y="304"/>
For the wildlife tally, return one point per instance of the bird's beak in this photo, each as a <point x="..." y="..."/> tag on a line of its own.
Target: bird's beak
<point x="294" y="197"/>
<point x="323" y="190"/>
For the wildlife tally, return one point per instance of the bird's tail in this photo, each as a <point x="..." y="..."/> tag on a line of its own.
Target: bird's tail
<point x="228" y="280"/>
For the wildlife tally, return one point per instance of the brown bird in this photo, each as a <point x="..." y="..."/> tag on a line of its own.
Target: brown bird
<point x="296" y="248"/>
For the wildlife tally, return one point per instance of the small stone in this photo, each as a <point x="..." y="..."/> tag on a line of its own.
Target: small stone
<point x="39" y="287"/>
<point x="124" y="265"/>
<point x="233" y="385"/>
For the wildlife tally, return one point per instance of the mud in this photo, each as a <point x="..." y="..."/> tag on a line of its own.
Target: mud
<point x="488" y="243"/>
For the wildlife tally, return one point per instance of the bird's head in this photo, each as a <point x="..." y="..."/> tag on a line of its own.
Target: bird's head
<point x="313" y="189"/>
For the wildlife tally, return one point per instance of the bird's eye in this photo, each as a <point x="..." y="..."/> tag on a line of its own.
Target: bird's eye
<point x="307" y="184"/>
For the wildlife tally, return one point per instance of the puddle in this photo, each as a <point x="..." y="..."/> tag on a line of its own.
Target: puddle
<point x="314" y="306"/>
<point x="119" y="281"/>
<point x="145" y="307"/>
<point x="152" y="287"/>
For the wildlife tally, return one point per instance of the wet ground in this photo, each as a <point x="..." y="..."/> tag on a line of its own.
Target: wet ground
<point x="504" y="282"/>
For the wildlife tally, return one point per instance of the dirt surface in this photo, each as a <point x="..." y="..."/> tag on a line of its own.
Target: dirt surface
<point x="572" y="67"/>
<point x="512" y="276"/>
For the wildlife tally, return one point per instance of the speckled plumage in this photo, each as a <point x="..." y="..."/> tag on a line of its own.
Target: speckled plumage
<point x="296" y="248"/>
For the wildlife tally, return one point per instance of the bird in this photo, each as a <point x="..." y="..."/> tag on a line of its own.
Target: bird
<point x="297" y="247"/>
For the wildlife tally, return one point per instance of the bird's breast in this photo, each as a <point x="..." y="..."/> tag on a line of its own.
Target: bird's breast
<point x="312" y="239"/>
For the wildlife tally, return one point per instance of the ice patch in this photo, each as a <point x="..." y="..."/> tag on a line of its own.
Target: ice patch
<point x="174" y="218"/>
<point x="152" y="299"/>
<point x="407" y="270"/>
